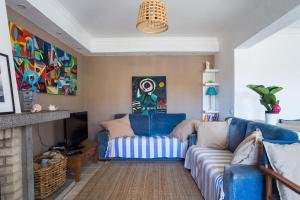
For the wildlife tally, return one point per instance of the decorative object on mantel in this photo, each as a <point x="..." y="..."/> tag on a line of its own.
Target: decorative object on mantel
<point x="269" y="101"/>
<point x="40" y="66"/>
<point x="36" y="108"/>
<point x="27" y="100"/>
<point x="6" y="95"/>
<point x="152" y="17"/>
<point x="52" y="107"/>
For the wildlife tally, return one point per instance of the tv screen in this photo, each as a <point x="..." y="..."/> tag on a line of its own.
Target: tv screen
<point x="76" y="129"/>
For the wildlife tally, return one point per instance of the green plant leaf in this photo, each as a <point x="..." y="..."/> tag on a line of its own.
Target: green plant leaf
<point x="275" y="89"/>
<point x="260" y="89"/>
<point x="269" y="99"/>
<point x="267" y="106"/>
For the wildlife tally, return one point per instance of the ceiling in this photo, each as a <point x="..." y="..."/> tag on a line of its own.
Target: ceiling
<point x="105" y="27"/>
<point x="196" y="18"/>
<point x="295" y="25"/>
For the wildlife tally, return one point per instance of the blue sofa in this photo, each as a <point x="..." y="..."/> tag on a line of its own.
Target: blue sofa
<point x="241" y="182"/>
<point x="151" y="140"/>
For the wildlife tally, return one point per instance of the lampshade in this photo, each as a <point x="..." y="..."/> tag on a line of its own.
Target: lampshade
<point x="211" y="91"/>
<point x="152" y="17"/>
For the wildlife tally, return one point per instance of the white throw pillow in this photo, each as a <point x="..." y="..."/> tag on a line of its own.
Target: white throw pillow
<point x="213" y="135"/>
<point x="248" y="151"/>
<point x="285" y="160"/>
<point x="184" y="129"/>
<point x="118" y="127"/>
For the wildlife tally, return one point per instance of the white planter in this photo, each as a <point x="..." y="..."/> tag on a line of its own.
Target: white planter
<point x="272" y="118"/>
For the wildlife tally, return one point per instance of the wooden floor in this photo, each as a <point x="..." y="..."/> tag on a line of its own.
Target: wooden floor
<point x="141" y="180"/>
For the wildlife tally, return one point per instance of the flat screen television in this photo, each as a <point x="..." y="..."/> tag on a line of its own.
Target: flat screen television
<point x="76" y="129"/>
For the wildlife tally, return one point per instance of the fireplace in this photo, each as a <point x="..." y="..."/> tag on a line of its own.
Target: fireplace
<point x="16" y="157"/>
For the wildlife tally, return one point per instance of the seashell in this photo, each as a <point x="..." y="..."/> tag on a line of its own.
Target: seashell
<point x="36" y="108"/>
<point x="52" y="107"/>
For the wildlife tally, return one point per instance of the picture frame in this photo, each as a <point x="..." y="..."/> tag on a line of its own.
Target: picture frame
<point x="7" y="105"/>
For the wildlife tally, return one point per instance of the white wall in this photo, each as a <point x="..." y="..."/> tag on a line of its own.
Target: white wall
<point x="269" y="17"/>
<point x="274" y="61"/>
<point x="5" y="48"/>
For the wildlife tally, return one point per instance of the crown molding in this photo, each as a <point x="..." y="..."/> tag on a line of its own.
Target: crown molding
<point x="155" y="45"/>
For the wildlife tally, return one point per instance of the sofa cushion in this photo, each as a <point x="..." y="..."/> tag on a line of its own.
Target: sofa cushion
<point x="286" y="166"/>
<point x="213" y="135"/>
<point x="141" y="147"/>
<point x="184" y="129"/>
<point x="248" y="151"/>
<point x="236" y="132"/>
<point x="163" y="124"/>
<point x="118" y="127"/>
<point x="140" y="124"/>
<point x="207" y="168"/>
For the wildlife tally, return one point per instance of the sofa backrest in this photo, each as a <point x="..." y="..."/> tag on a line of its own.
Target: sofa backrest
<point x="163" y="124"/>
<point x="271" y="132"/>
<point x="236" y="132"/>
<point x="140" y="124"/>
<point x="239" y="129"/>
<point x="154" y="125"/>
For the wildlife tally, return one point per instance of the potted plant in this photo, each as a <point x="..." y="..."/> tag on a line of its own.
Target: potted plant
<point x="269" y="101"/>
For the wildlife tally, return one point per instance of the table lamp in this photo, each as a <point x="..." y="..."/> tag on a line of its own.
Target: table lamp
<point x="211" y="91"/>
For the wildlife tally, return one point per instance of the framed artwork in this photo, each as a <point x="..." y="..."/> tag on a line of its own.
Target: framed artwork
<point x="40" y="66"/>
<point x="6" y="95"/>
<point x="149" y="94"/>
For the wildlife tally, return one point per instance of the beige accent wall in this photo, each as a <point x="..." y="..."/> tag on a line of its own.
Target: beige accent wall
<point x="51" y="133"/>
<point x="105" y="86"/>
<point x="109" y="84"/>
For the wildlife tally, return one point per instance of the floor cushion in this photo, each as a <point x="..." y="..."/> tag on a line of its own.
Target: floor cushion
<point x="207" y="168"/>
<point x="142" y="147"/>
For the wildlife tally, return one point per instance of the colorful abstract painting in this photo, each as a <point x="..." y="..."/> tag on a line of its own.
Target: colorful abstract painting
<point x="149" y="94"/>
<point x="40" y="66"/>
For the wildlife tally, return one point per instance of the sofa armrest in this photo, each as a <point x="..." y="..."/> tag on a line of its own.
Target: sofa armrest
<point x="192" y="140"/>
<point x="103" y="139"/>
<point x="243" y="182"/>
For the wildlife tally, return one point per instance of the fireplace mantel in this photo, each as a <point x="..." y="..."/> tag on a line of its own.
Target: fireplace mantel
<point x="28" y="118"/>
<point x="16" y="156"/>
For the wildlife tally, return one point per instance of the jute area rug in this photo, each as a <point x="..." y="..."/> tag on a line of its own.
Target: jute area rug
<point x="141" y="180"/>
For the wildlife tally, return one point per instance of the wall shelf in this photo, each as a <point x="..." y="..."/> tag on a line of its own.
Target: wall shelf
<point x="210" y="110"/>
<point x="211" y="84"/>
<point x="211" y="71"/>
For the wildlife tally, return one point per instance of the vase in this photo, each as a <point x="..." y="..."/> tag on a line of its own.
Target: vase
<point x="272" y="118"/>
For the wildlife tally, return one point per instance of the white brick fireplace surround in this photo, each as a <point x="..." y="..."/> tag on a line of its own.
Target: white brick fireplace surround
<point x="16" y="158"/>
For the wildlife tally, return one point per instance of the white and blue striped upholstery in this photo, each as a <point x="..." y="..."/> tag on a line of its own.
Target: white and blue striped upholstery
<point x="141" y="147"/>
<point x="207" y="168"/>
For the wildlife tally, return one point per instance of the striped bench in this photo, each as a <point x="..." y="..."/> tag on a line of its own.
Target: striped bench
<point x="141" y="147"/>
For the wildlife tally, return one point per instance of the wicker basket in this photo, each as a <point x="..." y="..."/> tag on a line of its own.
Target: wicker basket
<point x="48" y="179"/>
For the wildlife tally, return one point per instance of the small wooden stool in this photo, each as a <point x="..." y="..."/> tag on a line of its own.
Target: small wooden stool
<point x="89" y="152"/>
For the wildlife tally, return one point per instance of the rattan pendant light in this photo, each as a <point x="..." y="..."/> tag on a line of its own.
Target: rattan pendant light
<point x="152" y="17"/>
